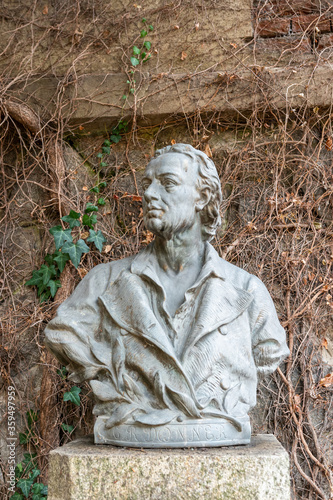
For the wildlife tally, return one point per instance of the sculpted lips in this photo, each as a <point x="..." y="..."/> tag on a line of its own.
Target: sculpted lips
<point x="154" y="211"/>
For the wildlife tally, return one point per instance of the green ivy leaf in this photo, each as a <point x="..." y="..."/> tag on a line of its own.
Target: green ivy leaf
<point x="44" y="296"/>
<point x="135" y="61"/>
<point x="37" y="489"/>
<point x="17" y="496"/>
<point x="49" y="259"/>
<point x="99" y="155"/>
<point x="32" y="417"/>
<point x="122" y="126"/>
<point x="147" y="45"/>
<point x="62" y="372"/>
<point x="47" y="272"/>
<point x="25" y="486"/>
<point x="101" y="201"/>
<point x="61" y="258"/>
<point x="115" y="138"/>
<point x="106" y="150"/>
<point x="18" y="470"/>
<point x="136" y="50"/>
<point x="147" y="58"/>
<point x="23" y="438"/>
<point x="89" y="220"/>
<point x="97" y="238"/>
<point x="72" y="219"/>
<point x="107" y="142"/>
<point x="75" y="251"/>
<point x="73" y="395"/>
<point x="144" y="20"/>
<point x="143" y="33"/>
<point x="94" y="189"/>
<point x="34" y="474"/>
<point x="103" y="184"/>
<point x="103" y="164"/>
<point x="60" y="235"/>
<point x="36" y="279"/>
<point x="67" y="428"/>
<point x="53" y="286"/>
<point x="151" y="27"/>
<point x="143" y="55"/>
<point x="90" y="207"/>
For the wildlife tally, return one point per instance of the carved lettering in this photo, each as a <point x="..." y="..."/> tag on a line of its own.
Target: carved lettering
<point x="196" y="434"/>
<point x="208" y="433"/>
<point x="181" y="434"/>
<point x="164" y="434"/>
<point x="132" y="434"/>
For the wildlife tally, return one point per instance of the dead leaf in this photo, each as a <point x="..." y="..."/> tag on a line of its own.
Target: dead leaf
<point x="107" y="248"/>
<point x="311" y="276"/>
<point x="197" y="25"/>
<point x="84" y="235"/>
<point x="208" y="151"/>
<point x="45" y="10"/>
<point x="329" y="144"/>
<point x="176" y="27"/>
<point x="81" y="127"/>
<point x="85" y="188"/>
<point x="136" y="198"/>
<point x="327" y="381"/>
<point x="234" y="45"/>
<point x="324" y="343"/>
<point x="183" y="56"/>
<point x="173" y="141"/>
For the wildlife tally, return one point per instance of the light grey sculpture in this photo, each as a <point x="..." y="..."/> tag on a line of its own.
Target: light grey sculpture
<point x="173" y="339"/>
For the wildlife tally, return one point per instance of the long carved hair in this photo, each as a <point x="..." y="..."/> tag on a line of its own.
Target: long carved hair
<point x="208" y="181"/>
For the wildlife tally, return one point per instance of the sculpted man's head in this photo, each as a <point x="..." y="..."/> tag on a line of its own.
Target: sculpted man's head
<point x="182" y="188"/>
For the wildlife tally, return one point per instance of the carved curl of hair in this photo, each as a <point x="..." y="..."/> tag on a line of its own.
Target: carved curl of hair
<point x="208" y="181"/>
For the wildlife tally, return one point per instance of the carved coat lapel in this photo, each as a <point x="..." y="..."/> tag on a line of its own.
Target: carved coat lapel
<point x="220" y="303"/>
<point x="127" y="301"/>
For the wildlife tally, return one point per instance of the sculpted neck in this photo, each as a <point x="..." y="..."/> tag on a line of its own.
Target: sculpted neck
<point x="182" y="251"/>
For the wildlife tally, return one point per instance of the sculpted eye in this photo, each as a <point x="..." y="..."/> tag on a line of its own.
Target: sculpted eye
<point x="169" y="183"/>
<point x="145" y="184"/>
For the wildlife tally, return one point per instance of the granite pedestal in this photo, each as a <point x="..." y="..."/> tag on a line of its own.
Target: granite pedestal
<point x="83" y="471"/>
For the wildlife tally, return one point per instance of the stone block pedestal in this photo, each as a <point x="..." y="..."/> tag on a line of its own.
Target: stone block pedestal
<point x="82" y="470"/>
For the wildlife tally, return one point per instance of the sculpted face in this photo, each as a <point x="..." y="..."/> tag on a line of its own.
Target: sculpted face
<point x="170" y="200"/>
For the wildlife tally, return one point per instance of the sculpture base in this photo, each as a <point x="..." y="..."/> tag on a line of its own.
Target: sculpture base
<point x="187" y="434"/>
<point x="81" y="470"/>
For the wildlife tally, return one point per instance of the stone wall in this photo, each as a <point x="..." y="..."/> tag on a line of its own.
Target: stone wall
<point x="248" y="84"/>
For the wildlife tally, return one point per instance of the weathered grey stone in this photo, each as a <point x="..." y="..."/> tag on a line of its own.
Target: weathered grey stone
<point x="90" y="100"/>
<point x="81" y="470"/>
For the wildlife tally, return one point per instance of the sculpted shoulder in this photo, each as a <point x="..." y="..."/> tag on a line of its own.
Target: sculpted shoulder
<point x="239" y="277"/>
<point x="102" y="274"/>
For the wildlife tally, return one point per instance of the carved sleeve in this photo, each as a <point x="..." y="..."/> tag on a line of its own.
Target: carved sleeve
<point x="70" y="334"/>
<point x="269" y="345"/>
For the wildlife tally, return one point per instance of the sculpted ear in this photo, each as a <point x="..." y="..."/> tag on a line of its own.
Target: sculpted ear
<point x="204" y="199"/>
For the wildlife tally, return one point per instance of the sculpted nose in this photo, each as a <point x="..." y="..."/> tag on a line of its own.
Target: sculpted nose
<point x="151" y="193"/>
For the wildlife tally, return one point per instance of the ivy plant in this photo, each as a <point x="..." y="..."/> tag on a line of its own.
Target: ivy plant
<point x="140" y="55"/>
<point x="114" y="137"/>
<point x="26" y="474"/>
<point x="69" y="246"/>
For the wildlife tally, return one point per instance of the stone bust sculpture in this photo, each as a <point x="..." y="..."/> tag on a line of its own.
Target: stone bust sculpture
<point x="173" y="339"/>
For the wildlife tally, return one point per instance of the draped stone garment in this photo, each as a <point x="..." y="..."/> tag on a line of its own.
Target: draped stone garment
<point x="146" y="366"/>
